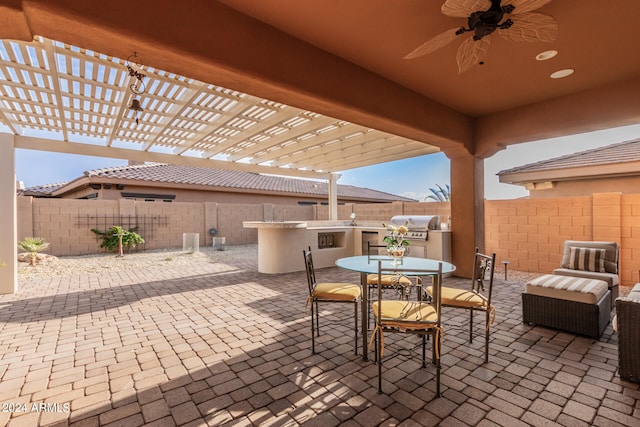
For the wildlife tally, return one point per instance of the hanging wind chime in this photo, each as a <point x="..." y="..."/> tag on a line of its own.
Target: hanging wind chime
<point x="134" y="64"/>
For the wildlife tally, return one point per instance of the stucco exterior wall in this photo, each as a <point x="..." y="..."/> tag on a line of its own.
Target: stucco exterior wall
<point x="197" y="194"/>
<point x="587" y="187"/>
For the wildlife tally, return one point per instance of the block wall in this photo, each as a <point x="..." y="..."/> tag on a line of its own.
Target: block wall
<point x="529" y="233"/>
<point x="630" y="238"/>
<point x="384" y="211"/>
<point x="230" y="218"/>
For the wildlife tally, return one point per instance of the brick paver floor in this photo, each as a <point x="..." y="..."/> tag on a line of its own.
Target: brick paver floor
<point x="220" y="344"/>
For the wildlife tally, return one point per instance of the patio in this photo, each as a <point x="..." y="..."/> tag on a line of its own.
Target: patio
<point x="219" y="344"/>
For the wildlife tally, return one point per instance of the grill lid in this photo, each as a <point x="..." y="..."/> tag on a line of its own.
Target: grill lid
<point x="417" y="222"/>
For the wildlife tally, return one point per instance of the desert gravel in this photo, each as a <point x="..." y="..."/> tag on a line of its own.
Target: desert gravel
<point x="68" y="265"/>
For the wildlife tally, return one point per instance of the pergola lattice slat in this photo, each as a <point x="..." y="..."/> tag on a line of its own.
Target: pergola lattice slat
<point x="70" y="92"/>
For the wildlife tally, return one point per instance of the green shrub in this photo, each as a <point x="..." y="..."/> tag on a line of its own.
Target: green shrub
<point x="110" y="238"/>
<point x="33" y="245"/>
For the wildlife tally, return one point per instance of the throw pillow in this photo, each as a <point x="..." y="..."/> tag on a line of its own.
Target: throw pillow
<point x="587" y="259"/>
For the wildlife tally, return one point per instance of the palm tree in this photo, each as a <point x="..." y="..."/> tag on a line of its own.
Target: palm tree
<point x="33" y="245"/>
<point x="441" y="194"/>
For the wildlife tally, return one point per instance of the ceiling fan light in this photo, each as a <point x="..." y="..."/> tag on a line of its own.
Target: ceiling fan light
<point x="562" y="73"/>
<point x="547" y="54"/>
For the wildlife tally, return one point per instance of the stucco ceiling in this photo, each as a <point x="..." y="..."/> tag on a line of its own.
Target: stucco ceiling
<point x="598" y="39"/>
<point x="344" y="59"/>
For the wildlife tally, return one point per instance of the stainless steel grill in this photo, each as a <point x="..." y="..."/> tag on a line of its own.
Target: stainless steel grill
<point x="419" y="225"/>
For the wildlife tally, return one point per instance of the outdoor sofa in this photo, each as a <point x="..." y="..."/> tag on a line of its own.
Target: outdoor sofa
<point x="627" y="325"/>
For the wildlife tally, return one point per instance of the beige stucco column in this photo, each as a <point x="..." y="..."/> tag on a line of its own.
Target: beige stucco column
<point x="467" y="211"/>
<point x="8" y="216"/>
<point x="333" y="196"/>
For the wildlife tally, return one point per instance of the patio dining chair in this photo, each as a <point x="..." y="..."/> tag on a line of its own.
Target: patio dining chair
<point x="389" y="281"/>
<point x="478" y="298"/>
<point x="421" y="317"/>
<point x="329" y="293"/>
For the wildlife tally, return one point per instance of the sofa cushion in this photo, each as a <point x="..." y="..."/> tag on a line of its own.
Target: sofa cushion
<point x="577" y="289"/>
<point x="610" y="278"/>
<point x="610" y="259"/>
<point x="587" y="259"/>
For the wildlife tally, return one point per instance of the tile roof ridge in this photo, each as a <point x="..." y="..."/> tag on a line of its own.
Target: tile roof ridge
<point x="50" y="185"/>
<point x="569" y="156"/>
<point x="100" y="171"/>
<point x="371" y="189"/>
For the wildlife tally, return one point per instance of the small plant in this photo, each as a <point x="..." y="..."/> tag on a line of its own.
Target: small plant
<point x="33" y="245"/>
<point x="111" y="238"/>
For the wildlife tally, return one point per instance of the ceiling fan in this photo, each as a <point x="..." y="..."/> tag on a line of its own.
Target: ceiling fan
<point x="512" y="19"/>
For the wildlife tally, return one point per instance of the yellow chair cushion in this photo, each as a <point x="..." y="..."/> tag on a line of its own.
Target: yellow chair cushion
<point x="387" y="280"/>
<point x="460" y="297"/>
<point x="406" y="312"/>
<point x="337" y="291"/>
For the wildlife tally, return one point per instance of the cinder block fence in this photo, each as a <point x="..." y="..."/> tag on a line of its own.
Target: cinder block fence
<point x="527" y="232"/>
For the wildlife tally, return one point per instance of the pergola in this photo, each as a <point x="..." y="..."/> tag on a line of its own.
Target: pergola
<point x="299" y="88"/>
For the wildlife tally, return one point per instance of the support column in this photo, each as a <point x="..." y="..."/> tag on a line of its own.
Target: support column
<point x="467" y="211"/>
<point x="333" y="196"/>
<point x="8" y="216"/>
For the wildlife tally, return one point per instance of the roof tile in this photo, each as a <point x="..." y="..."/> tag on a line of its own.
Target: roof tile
<point x="190" y="175"/>
<point x="627" y="151"/>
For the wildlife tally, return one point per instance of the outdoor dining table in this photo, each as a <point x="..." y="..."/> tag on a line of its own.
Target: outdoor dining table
<point x="368" y="264"/>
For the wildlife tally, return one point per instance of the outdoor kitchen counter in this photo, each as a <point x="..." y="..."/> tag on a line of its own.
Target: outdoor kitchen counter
<point x="274" y="224"/>
<point x="280" y="243"/>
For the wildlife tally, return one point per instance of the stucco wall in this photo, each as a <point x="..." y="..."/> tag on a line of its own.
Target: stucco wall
<point x="587" y="187"/>
<point x="196" y="194"/>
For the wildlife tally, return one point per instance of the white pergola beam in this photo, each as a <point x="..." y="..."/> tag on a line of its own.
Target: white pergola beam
<point x="32" y="143"/>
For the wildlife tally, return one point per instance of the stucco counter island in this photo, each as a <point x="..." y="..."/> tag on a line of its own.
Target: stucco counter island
<point x="280" y="243"/>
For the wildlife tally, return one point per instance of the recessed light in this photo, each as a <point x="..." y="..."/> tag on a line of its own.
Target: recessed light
<point x="547" y="54"/>
<point x="562" y="73"/>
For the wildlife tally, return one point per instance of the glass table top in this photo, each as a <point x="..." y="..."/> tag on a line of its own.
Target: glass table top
<point x="369" y="264"/>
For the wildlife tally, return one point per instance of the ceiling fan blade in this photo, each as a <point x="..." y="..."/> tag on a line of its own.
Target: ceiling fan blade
<point x="524" y="6"/>
<point x="471" y="52"/>
<point x="464" y="8"/>
<point x="531" y="27"/>
<point x="434" y="44"/>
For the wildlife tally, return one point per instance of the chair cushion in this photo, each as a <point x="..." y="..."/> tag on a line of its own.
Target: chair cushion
<point x="337" y="291"/>
<point x="406" y="314"/>
<point x="387" y="279"/>
<point x="587" y="259"/>
<point x="460" y="297"/>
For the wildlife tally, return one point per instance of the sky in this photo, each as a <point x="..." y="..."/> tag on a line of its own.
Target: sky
<point x="410" y="178"/>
